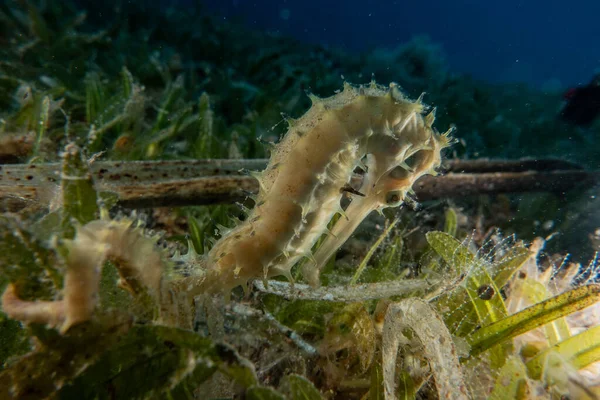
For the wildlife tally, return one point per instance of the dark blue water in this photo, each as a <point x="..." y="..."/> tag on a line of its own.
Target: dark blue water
<point x="550" y="42"/>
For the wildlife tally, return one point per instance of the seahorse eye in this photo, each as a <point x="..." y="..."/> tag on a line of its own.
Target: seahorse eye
<point x="394" y="198"/>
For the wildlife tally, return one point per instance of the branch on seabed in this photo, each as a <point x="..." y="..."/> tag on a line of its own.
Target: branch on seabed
<point x="141" y="184"/>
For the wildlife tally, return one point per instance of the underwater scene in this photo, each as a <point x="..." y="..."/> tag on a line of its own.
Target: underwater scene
<point x="299" y="200"/>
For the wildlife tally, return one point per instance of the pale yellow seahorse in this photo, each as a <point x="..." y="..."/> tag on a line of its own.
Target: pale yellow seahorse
<point x="368" y="126"/>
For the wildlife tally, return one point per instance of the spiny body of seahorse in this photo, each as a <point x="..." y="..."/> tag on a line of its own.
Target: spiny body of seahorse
<point x="368" y="126"/>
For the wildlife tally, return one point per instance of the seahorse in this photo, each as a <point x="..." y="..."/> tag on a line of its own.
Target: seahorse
<point x="371" y="127"/>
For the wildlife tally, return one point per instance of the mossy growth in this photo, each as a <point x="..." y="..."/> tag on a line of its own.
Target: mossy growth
<point x="72" y="91"/>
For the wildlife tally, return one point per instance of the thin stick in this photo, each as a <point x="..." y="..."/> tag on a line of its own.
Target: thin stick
<point x="141" y="184"/>
<point x="347" y="294"/>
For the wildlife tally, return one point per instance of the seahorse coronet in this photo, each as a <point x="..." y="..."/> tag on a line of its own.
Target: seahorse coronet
<point x="371" y="127"/>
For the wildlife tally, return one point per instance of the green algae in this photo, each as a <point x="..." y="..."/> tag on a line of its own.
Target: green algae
<point x="83" y="89"/>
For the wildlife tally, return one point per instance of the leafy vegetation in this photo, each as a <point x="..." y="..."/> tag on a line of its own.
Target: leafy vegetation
<point x="74" y="90"/>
